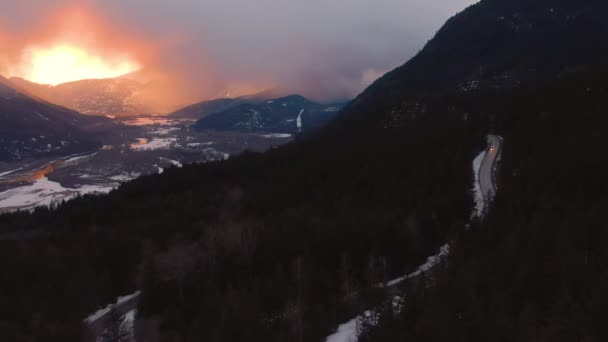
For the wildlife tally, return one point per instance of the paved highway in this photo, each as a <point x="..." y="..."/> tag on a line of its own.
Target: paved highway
<point x="97" y="323"/>
<point x="487" y="171"/>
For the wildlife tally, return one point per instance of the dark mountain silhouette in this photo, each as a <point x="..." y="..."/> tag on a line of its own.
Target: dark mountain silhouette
<point x="290" y="114"/>
<point x="34" y="128"/>
<point x="495" y="45"/>
<point x="113" y="96"/>
<point x="202" y="109"/>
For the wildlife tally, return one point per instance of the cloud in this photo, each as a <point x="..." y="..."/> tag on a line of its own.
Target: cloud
<point x="325" y="49"/>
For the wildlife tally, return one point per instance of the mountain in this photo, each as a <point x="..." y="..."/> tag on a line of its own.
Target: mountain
<point x="291" y="114"/>
<point x="202" y="109"/>
<point x="110" y="97"/>
<point x="219" y="104"/>
<point x="290" y="244"/>
<point x="495" y="45"/>
<point x="34" y="128"/>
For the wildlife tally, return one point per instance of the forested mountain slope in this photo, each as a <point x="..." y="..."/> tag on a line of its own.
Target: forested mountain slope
<point x="494" y="44"/>
<point x="535" y="268"/>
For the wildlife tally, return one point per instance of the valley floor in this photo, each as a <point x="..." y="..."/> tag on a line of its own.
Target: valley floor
<point x="144" y="146"/>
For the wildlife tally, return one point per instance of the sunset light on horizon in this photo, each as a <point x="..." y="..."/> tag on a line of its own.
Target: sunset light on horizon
<point x="64" y="63"/>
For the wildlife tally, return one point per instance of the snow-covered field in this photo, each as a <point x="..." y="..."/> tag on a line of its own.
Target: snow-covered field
<point x="44" y="192"/>
<point x="149" y="146"/>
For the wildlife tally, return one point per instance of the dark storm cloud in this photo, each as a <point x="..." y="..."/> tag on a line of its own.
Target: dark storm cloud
<point x="325" y="49"/>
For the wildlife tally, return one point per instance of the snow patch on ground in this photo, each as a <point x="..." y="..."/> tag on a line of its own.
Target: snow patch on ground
<point x="299" y="121"/>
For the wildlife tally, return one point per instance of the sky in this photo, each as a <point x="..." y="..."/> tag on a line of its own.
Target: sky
<point x="323" y="49"/>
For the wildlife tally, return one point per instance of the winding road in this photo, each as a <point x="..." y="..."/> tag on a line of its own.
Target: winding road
<point x="487" y="171"/>
<point x="100" y="321"/>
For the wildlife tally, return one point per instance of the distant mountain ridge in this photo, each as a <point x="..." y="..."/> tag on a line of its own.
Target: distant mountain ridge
<point x="291" y="114"/>
<point x="32" y="128"/>
<point x="202" y="109"/>
<point x="109" y="97"/>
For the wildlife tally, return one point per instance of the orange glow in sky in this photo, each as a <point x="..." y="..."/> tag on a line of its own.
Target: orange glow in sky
<point x="63" y="63"/>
